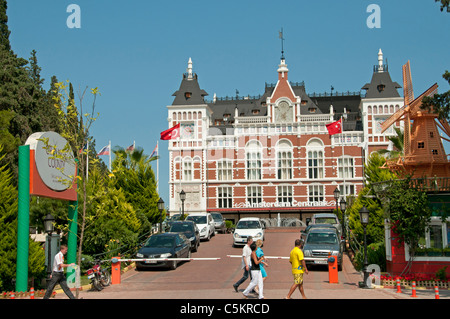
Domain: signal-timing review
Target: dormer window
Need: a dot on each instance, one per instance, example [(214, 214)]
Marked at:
[(381, 87), (188, 95), (312, 110), (255, 112)]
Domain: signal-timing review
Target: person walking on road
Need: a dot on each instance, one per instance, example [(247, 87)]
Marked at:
[(246, 263), (57, 276), (263, 264), (257, 280), (298, 269)]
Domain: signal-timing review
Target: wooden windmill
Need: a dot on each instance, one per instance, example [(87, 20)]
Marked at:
[(424, 154)]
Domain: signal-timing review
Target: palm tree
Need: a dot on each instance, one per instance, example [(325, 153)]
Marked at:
[(397, 142)]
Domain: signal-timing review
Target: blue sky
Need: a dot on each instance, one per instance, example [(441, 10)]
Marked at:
[(136, 51)]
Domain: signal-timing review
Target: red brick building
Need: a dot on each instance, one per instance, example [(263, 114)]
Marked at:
[(271, 154)]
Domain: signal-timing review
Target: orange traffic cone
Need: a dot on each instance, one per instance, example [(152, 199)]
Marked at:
[(436, 292), (414, 290), (31, 293), (399, 289), (12, 295)]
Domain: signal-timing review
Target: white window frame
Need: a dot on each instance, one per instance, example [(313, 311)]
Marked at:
[(224, 197)]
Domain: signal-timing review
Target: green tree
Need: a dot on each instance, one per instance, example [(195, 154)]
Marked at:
[(8, 236), (409, 214), (374, 173), (109, 215), (439, 103), (133, 174), (397, 142)]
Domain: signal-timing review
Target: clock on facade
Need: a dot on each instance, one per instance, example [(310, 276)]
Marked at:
[(283, 112)]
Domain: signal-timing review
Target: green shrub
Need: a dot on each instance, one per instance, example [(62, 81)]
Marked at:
[(376, 254)]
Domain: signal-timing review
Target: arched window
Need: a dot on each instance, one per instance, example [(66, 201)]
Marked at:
[(284, 157), (315, 151)]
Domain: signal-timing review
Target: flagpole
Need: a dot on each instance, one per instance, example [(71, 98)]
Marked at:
[(157, 167), (110, 151), (343, 170)]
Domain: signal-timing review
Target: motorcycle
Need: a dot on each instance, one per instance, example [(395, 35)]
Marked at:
[(100, 277)]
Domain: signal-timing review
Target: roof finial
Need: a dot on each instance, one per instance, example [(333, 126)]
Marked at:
[(189, 69), (380, 61), (280, 35)]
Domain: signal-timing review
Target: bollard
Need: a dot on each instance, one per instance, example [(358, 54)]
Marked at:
[(399, 289), (414, 290), (115, 271), (12, 295), (31, 293), (436, 292), (332, 269)]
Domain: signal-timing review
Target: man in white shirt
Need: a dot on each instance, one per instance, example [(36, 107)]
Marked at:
[(245, 263), (57, 276)]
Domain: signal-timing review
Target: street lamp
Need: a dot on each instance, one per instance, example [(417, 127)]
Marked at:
[(183, 198), (337, 194), (364, 217), (48, 227), (160, 208)]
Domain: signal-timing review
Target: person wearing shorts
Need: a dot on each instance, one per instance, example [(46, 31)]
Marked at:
[(298, 269)]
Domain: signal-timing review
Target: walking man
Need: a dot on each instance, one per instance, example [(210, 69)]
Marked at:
[(246, 263), (57, 276), (298, 268)]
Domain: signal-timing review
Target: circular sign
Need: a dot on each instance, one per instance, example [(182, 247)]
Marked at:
[(54, 159)]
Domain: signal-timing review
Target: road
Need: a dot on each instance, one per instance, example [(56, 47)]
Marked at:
[(214, 279)]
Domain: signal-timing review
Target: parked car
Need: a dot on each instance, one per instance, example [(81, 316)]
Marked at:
[(219, 223), (304, 233), (205, 224), (164, 245), (189, 229), (248, 226), (325, 218), (319, 243)]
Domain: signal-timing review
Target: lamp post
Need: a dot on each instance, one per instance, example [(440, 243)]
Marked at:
[(364, 217), (183, 198), (161, 209), (337, 194), (48, 227)]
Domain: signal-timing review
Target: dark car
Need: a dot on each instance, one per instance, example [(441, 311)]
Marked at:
[(219, 223), (304, 233), (189, 229), (165, 245), (319, 243)]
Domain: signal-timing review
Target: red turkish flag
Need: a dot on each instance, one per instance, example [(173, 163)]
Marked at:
[(172, 133), (335, 127)]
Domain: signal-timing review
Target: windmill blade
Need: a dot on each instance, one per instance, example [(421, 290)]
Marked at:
[(407, 135), (407, 84), (445, 126), (392, 119), (415, 105)]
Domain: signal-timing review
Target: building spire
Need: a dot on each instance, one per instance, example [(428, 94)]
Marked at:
[(189, 69), (380, 61)]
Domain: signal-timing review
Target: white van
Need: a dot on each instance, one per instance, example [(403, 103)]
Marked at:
[(205, 224)]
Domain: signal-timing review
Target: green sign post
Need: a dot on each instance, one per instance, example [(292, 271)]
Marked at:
[(23, 219)]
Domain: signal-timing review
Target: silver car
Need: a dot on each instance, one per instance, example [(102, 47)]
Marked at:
[(319, 243), (219, 223)]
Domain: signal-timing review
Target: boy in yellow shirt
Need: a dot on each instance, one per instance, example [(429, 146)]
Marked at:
[(298, 268)]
